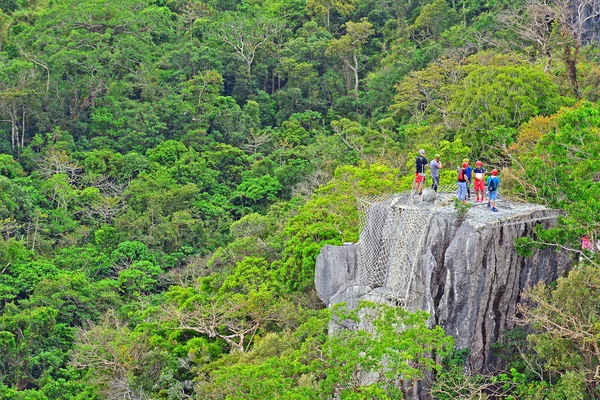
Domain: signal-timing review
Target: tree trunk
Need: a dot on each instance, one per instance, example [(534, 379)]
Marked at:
[(12, 133), (570, 59), (549, 61), (23, 132), (273, 81), (15, 137), (355, 70)]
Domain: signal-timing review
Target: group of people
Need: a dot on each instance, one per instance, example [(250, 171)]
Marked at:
[(466, 176)]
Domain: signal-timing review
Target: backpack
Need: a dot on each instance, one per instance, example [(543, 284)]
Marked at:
[(461, 174), (493, 185)]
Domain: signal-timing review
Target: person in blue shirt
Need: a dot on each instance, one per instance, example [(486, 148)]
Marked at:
[(469, 171), (493, 183)]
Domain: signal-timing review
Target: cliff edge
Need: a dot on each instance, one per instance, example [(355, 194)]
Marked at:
[(462, 269)]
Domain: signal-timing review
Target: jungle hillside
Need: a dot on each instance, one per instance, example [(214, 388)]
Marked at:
[(170, 169)]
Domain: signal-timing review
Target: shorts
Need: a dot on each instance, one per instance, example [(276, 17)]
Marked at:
[(479, 185), (492, 195), (420, 178)]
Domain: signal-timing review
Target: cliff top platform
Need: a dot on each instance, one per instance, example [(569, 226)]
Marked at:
[(443, 205)]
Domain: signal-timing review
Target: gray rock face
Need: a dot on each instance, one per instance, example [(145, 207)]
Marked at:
[(468, 270), (336, 265)]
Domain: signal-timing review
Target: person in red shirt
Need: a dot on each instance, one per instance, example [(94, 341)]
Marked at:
[(479, 178)]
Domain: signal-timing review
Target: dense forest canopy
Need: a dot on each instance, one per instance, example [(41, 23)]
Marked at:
[(170, 169)]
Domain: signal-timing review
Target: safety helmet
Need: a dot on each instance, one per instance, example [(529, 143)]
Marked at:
[(466, 160), (478, 163), (421, 151), (465, 164), (437, 156), (494, 172)]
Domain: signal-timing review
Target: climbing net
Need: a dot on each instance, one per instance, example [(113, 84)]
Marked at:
[(391, 240)]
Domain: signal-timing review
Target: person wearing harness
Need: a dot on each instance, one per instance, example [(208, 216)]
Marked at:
[(493, 182), (421, 164), (462, 183), (479, 175), (434, 166)]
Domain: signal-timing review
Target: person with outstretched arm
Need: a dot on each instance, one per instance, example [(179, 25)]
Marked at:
[(493, 183)]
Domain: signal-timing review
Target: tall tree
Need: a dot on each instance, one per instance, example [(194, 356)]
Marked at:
[(325, 7), (246, 35), (348, 46), (533, 23), (5, 22), (16, 79), (576, 23), (575, 17)]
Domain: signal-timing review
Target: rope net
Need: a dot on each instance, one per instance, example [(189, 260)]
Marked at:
[(391, 240)]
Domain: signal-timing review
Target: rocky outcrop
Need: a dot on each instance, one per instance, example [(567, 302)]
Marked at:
[(336, 266), (467, 272)]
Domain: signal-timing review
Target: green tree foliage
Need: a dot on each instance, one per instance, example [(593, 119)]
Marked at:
[(326, 7), (502, 96), (118, 358), (400, 344), (555, 163), (310, 365), (169, 171), (475, 99), (33, 344), (330, 217), (347, 47), (566, 327), (433, 19)]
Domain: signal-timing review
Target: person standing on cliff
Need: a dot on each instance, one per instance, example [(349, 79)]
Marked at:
[(493, 183), (421, 164), (434, 166), (469, 170), (462, 182), (479, 175)]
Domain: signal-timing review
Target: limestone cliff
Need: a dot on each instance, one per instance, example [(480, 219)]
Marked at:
[(464, 271)]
